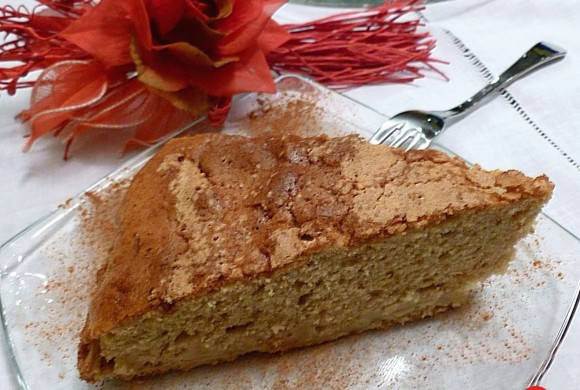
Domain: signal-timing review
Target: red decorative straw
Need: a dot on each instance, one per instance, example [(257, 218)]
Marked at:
[(32, 41), (83, 85), (358, 48)]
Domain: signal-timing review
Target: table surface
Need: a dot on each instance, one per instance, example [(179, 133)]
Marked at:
[(530, 127)]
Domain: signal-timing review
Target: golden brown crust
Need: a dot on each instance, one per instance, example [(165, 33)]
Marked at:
[(225, 208)]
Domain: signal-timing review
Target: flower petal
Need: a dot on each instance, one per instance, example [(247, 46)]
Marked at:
[(120, 108), (198, 9), (60, 92), (224, 8), (246, 26), (195, 32), (105, 31), (250, 74), (190, 99), (272, 37), (165, 79), (192, 56), (167, 119), (166, 14), (243, 13), (138, 15), (271, 6), (171, 65)]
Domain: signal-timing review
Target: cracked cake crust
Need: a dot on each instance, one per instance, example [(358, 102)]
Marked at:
[(227, 208)]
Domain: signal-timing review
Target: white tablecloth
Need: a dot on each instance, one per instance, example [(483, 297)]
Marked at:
[(532, 127)]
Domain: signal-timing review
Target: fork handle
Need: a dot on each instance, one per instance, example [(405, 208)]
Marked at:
[(541, 54)]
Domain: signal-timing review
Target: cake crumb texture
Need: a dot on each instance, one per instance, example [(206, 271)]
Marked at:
[(231, 244)]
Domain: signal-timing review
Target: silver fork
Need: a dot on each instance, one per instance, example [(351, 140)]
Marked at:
[(417, 129)]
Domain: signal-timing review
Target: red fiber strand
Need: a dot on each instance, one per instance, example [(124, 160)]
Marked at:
[(31, 39), (359, 47)]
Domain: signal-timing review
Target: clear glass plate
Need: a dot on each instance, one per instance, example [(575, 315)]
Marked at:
[(498, 341)]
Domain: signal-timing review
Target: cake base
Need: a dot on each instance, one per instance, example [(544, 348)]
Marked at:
[(327, 295)]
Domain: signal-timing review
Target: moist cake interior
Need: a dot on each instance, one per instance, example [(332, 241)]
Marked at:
[(289, 242)]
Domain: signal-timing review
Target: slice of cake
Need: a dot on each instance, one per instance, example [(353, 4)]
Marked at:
[(229, 245)]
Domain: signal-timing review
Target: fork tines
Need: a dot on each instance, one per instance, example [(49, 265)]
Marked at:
[(398, 136)]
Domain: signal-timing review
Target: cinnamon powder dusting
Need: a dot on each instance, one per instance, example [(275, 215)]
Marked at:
[(352, 362), (484, 332), (76, 255), (291, 113), (298, 115)]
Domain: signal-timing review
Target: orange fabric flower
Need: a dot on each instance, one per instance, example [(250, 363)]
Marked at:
[(154, 67), (186, 51)]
